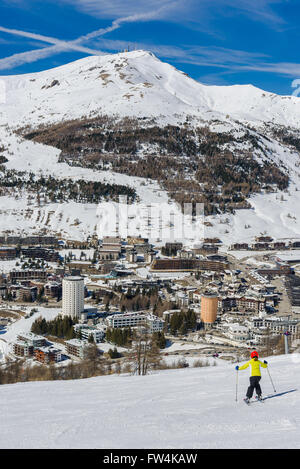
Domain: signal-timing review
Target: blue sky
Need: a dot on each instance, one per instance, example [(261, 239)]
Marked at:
[(218, 42)]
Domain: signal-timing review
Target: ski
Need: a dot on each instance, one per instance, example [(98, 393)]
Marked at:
[(249, 402), (262, 399)]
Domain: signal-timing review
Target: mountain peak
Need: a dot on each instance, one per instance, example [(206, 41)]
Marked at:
[(137, 83)]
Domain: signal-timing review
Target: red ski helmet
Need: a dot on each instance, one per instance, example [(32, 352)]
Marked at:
[(254, 354)]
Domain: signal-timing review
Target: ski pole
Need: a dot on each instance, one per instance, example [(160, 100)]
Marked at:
[(271, 379)]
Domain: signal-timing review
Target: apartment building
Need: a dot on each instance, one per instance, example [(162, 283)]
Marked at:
[(22, 349), (152, 322), (87, 331), (7, 253), (40, 253), (53, 289), (277, 324), (238, 333), (23, 292), (32, 339), (281, 270), (16, 276), (76, 348), (31, 240), (251, 304), (109, 253), (73, 296), (260, 336), (126, 320), (173, 265), (47, 355), (242, 303)]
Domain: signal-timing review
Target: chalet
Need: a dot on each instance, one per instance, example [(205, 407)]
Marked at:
[(196, 296), (278, 245), (281, 270), (239, 247), (263, 239), (136, 240), (260, 246), (208, 249), (110, 248), (174, 245), (109, 254), (105, 268), (212, 240), (74, 244), (185, 254)]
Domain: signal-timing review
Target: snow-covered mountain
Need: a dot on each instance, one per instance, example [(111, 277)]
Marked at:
[(188, 408), (137, 84)]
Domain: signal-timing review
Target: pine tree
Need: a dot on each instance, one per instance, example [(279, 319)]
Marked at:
[(91, 339)]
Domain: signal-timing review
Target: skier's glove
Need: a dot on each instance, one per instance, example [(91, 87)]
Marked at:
[(265, 362), (236, 368)]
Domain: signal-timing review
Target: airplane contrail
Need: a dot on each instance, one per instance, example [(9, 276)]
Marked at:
[(60, 45)]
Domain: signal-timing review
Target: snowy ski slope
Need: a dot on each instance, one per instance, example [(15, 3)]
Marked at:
[(187, 408)]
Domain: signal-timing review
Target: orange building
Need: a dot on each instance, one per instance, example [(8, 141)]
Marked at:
[(47, 355), (209, 308)]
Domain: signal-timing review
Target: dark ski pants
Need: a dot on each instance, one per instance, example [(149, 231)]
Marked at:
[(254, 384)]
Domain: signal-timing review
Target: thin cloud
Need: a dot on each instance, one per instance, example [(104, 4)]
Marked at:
[(229, 60), (16, 60), (64, 46), (191, 12), (262, 10), (121, 8)]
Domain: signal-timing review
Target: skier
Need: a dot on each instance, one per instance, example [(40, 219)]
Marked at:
[(255, 375)]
